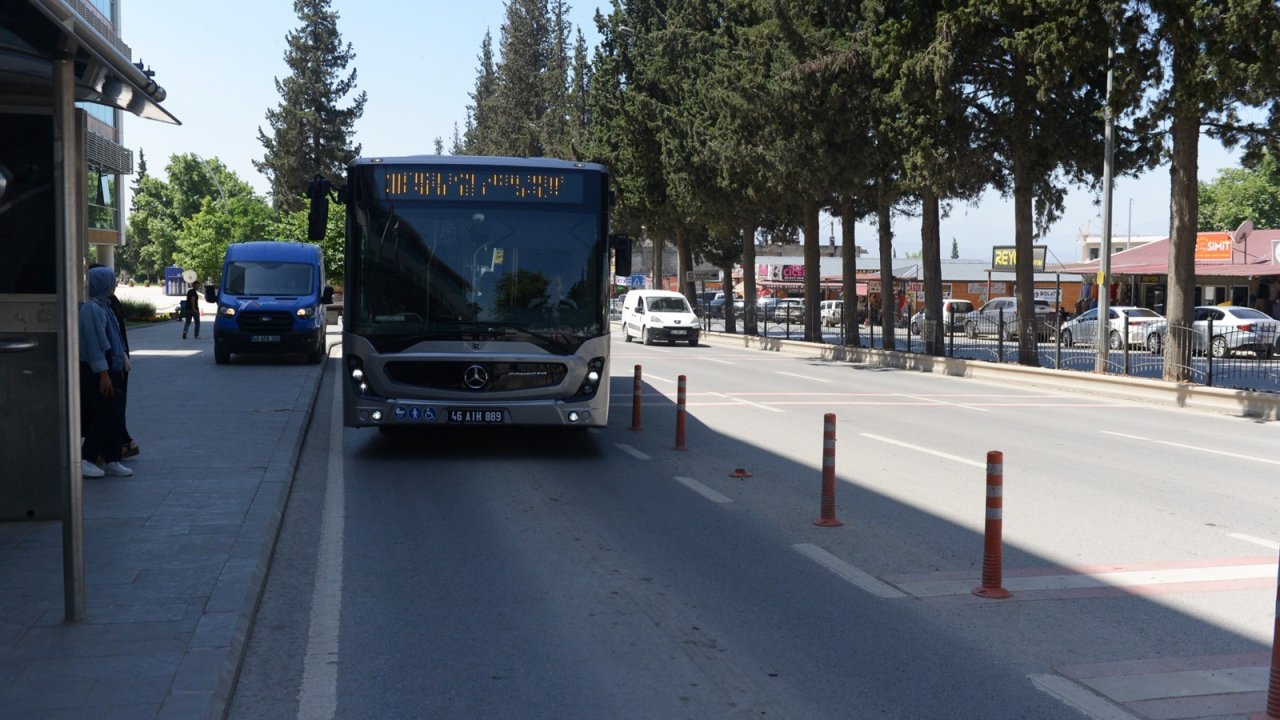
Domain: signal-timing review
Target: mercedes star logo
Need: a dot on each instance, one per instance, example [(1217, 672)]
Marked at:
[(475, 377)]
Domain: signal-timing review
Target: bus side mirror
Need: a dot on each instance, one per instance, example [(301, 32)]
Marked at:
[(621, 254), (318, 217)]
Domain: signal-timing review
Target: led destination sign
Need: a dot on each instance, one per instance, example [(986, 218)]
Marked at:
[(479, 185)]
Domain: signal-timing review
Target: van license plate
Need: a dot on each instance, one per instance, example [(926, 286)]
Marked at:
[(477, 416), (678, 332), (265, 338)]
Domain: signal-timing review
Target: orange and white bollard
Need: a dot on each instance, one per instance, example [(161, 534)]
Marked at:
[(992, 540), (828, 518), (1273, 685), (680, 413), (636, 388)]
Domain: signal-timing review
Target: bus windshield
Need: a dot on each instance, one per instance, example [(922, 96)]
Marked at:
[(441, 271)]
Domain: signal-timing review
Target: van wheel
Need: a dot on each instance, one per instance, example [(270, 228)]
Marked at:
[(626, 334), (646, 335), (315, 357), (221, 355)]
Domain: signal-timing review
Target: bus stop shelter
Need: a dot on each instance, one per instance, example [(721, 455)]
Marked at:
[(53, 54)]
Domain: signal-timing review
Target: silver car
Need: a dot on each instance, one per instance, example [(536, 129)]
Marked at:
[(1145, 328)]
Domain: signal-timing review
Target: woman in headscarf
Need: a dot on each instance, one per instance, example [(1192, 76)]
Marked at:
[(103, 361)]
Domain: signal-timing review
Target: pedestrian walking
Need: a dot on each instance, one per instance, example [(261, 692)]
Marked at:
[(103, 363), (192, 311)]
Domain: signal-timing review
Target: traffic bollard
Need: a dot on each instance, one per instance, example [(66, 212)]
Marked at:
[(828, 518), (680, 413), (635, 401), (991, 548)]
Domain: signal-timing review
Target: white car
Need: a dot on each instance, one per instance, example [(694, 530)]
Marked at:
[(1145, 328), (1235, 328), (953, 314), (654, 315), (831, 312)]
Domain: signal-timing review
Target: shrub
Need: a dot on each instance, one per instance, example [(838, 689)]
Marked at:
[(138, 309)]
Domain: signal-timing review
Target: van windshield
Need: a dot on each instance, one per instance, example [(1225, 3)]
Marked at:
[(269, 278), (668, 304)]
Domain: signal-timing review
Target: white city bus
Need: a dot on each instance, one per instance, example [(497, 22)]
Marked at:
[(476, 291)]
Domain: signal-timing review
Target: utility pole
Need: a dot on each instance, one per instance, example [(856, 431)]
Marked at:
[(1104, 263)]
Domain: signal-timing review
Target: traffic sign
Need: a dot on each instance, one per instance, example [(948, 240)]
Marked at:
[(695, 275)]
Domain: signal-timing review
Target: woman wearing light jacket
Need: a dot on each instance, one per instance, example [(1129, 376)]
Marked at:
[(103, 362)]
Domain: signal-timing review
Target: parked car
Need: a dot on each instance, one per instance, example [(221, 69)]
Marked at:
[(1235, 328), (1146, 328), (1000, 316), (831, 312), (716, 306), (653, 315), (953, 315), (780, 310)]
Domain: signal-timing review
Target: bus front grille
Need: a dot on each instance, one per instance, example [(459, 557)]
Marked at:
[(476, 376)]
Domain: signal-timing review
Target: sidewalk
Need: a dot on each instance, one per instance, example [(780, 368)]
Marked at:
[(175, 556)]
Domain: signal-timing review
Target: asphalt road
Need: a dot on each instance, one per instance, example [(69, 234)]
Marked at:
[(521, 574)]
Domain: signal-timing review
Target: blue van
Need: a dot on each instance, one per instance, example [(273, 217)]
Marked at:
[(271, 299)]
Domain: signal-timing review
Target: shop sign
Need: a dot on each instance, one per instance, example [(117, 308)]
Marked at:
[(1213, 246), (793, 272), (1004, 258)]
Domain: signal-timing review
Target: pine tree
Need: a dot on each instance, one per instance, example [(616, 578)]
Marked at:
[(520, 99), (955, 249), (310, 131), (477, 139)]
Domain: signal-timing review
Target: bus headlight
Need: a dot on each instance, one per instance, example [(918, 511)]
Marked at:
[(591, 382)]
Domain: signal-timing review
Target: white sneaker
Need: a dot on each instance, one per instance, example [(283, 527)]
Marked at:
[(89, 470), (117, 469)]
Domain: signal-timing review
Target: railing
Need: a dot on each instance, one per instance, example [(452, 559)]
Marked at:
[(1221, 356)]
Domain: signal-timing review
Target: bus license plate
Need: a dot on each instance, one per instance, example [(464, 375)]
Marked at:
[(265, 338), (478, 416)]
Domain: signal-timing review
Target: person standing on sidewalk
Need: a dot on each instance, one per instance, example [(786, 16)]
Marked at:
[(130, 446), (193, 310), (103, 362)]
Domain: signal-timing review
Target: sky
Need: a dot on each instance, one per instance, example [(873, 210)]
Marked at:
[(417, 61)]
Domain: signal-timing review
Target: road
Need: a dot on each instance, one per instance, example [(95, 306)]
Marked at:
[(520, 574)]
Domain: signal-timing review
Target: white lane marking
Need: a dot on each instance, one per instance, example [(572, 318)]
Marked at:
[(632, 451), (647, 376), (942, 402), (703, 490), (802, 377), (1078, 697), (1256, 540), (163, 353), (1184, 446), (848, 572), (718, 360), (1119, 579), (318, 693), (740, 401), (917, 448)]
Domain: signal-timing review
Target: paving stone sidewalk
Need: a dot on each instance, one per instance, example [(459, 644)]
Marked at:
[(175, 556)]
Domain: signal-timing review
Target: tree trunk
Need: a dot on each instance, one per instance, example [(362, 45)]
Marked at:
[(1028, 353), (931, 258), (888, 299), (684, 254), (748, 280), (657, 263), (812, 272), (1184, 211), (849, 266)]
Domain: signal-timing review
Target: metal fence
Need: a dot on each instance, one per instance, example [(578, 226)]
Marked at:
[(1223, 356)]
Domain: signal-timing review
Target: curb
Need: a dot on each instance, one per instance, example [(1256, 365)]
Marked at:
[(262, 527), (1244, 403)]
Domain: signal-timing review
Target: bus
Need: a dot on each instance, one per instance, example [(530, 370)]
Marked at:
[(476, 290)]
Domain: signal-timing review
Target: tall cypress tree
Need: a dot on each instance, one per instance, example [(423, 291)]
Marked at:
[(477, 140), (310, 131)]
